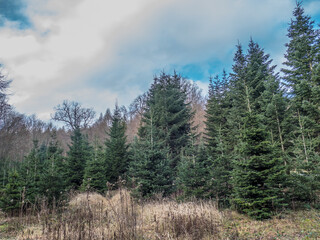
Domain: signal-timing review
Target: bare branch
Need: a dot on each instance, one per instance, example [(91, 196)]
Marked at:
[(73, 115)]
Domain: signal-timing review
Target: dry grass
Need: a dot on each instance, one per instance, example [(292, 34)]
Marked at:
[(293, 225), (95, 200), (117, 216), (172, 220)]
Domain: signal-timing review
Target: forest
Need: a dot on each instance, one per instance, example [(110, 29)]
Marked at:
[(252, 145)]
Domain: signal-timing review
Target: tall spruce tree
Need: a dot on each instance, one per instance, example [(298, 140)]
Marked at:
[(164, 132), (150, 168), (217, 137), (257, 164), (52, 184), (173, 114), (301, 62), (95, 173), (276, 115), (258, 175), (31, 170), (300, 75), (11, 194), (79, 153), (117, 159), (194, 176), (300, 55)]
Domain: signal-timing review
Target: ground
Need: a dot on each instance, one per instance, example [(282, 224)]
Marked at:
[(118, 216)]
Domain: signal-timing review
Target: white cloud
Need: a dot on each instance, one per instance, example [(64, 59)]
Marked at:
[(67, 41), (204, 87), (94, 51)]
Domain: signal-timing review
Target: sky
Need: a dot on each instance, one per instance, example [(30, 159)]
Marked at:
[(97, 52)]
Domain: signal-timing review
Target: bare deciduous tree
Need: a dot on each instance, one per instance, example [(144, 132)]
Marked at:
[(138, 105), (4, 106), (73, 114)]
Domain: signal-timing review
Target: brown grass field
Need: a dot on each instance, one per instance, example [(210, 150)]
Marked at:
[(118, 216)]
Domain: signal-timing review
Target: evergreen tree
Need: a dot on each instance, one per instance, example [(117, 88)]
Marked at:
[(79, 153), (94, 177), (116, 148), (164, 132), (248, 81), (300, 55), (217, 137), (300, 75), (258, 175), (194, 176), (173, 114), (276, 113), (11, 194), (258, 168), (52, 183), (150, 167), (31, 170)]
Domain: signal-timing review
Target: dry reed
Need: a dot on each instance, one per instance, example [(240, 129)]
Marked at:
[(118, 216)]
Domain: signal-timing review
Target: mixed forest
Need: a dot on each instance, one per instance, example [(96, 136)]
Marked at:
[(252, 144)]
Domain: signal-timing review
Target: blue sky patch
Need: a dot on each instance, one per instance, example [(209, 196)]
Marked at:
[(13, 11)]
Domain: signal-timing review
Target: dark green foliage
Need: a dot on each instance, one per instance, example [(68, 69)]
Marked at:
[(220, 173), (239, 114), (150, 168), (52, 184), (117, 159), (300, 55), (194, 176), (94, 177), (11, 194), (276, 114), (165, 131), (79, 153), (248, 81), (218, 137), (172, 114), (258, 174), (31, 170), (42, 172), (6, 167), (301, 75)]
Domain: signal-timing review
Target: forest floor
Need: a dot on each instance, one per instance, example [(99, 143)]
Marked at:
[(117, 216)]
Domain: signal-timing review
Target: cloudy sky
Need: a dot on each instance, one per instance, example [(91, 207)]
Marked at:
[(97, 51)]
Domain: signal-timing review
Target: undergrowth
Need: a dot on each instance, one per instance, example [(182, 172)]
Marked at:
[(118, 216)]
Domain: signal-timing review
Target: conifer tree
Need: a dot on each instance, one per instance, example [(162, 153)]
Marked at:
[(194, 176), (150, 168), (52, 178), (164, 132), (300, 75), (301, 62), (117, 159), (300, 55), (11, 194), (173, 114), (258, 175), (94, 177), (257, 164), (248, 81), (30, 172), (217, 137), (276, 114), (79, 153)]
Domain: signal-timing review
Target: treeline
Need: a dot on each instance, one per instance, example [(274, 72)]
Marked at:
[(259, 151)]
